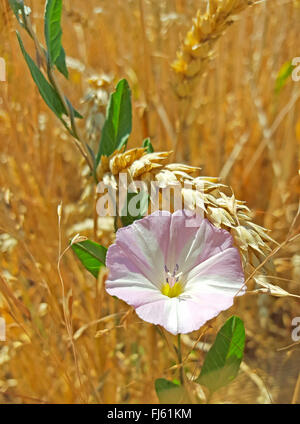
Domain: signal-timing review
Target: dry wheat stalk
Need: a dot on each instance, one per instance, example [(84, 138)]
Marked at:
[(94, 102), (198, 45), (223, 211)]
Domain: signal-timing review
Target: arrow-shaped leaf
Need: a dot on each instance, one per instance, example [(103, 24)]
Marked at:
[(170, 392), (223, 360), (91, 254)]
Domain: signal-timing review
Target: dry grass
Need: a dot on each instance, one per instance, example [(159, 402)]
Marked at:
[(232, 125)]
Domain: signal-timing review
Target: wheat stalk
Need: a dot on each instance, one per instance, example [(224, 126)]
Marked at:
[(222, 210), (198, 46)]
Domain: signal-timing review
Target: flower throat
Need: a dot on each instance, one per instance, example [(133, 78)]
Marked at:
[(172, 287)]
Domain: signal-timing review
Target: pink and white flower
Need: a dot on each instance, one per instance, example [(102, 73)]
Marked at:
[(175, 275)]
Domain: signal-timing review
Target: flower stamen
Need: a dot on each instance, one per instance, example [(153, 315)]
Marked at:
[(173, 286)]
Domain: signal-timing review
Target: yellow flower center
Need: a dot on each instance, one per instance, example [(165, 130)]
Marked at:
[(174, 291)]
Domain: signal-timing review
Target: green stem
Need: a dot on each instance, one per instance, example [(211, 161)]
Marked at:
[(179, 353)]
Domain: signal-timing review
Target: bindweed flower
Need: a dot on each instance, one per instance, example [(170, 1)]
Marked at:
[(177, 270)]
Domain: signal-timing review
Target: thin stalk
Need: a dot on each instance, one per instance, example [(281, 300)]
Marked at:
[(179, 353), (67, 317), (296, 391)]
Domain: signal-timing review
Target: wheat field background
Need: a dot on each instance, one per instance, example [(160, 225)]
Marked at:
[(232, 124)]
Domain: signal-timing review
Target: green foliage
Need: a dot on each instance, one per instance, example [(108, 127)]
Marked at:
[(148, 145), (53, 35), (223, 360), (61, 63), (49, 92), (118, 123), (282, 77), (170, 392), (46, 90), (138, 201), (91, 254)]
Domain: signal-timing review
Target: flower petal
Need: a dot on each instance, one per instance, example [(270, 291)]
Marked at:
[(193, 239), (181, 316), (211, 268), (183, 228), (144, 244), (221, 274), (205, 241), (161, 312), (123, 271), (193, 313)]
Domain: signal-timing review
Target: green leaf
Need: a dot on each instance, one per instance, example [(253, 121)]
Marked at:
[(91, 254), (138, 201), (223, 360), (118, 123), (284, 73), (170, 392), (46, 90), (52, 28), (61, 63), (148, 145), (53, 36)]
